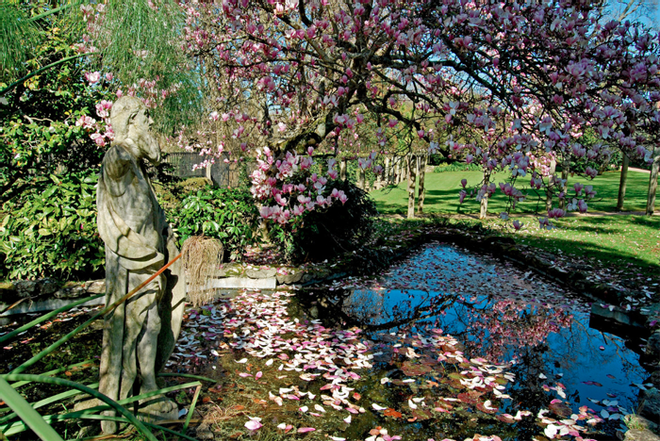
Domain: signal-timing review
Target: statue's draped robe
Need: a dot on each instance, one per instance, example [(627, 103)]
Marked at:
[(138, 242)]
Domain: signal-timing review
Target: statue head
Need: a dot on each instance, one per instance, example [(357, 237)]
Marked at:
[(131, 124)]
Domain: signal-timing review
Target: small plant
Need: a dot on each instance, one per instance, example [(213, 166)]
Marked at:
[(17, 415)]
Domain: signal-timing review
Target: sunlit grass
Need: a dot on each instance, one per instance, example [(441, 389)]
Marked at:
[(442, 191), (619, 240)]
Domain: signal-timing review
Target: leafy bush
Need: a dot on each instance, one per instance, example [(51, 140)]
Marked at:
[(226, 214), (456, 166), (437, 159), (325, 233), (52, 233)]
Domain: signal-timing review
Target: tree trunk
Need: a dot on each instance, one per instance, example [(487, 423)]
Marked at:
[(564, 180), (622, 183), (653, 184), (483, 204), (411, 166), (361, 178), (420, 185), (550, 188), (387, 172), (342, 169), (396, 168)]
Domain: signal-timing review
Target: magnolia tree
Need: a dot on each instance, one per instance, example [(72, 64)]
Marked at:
[(528, 79)]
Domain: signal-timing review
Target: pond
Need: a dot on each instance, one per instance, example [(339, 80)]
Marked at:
[(539, 330)]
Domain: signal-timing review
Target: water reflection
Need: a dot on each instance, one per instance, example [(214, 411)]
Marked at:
[(500, 313)]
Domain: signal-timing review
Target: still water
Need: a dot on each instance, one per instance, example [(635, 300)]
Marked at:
[(504, 315)]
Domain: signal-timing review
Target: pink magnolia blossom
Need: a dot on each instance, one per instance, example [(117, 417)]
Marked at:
[(591, 172), (254, 424), (87, 122), (92, 77), (556, 213)]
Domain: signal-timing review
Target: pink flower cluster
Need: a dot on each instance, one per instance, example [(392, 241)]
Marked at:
[(102, 133), (287, 188)]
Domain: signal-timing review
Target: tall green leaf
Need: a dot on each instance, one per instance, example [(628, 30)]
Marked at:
[(17, 37), (27, 413)]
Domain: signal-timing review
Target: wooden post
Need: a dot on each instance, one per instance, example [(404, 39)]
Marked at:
[(564, 178), (483, 204), (361, 176), (387, 173), (551, 185)]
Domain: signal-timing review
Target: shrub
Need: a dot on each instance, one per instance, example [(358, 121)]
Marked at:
[(226, 214), (325, 233), (457, 166), (50, 231)]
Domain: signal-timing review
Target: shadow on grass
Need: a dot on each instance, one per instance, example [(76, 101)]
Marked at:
[(622, 241)]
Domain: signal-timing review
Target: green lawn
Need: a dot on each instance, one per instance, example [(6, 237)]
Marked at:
[(618, 240), (442, 194)]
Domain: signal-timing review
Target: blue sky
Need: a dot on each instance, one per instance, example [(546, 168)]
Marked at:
[(650, 15), (653, 19)]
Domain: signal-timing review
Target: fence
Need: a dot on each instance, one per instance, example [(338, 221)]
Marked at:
[(222, 174)]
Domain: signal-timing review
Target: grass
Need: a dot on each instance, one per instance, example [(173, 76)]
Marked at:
[(618, 240), (442, 194)]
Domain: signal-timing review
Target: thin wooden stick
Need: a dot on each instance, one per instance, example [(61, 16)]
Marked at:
[(109, 309)]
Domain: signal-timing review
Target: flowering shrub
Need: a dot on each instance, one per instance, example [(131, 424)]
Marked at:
[(287, 188), (311, 214)]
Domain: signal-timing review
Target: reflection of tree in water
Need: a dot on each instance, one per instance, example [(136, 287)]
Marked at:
[(501, 329), (496, 311)]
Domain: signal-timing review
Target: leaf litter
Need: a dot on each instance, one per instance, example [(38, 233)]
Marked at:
[(331, 374)]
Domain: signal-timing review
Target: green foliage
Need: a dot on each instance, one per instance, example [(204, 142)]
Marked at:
[(226, 214), (370, 177), (51, 231), (38, 131), (17, 33), (455, 167), (47, 194), (437, 159), (325, 233), (138, 42)]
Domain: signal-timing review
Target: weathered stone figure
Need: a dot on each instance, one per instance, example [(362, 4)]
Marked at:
[(138, 336)]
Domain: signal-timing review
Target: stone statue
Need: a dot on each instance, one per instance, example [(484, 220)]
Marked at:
[(139, 335)]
